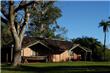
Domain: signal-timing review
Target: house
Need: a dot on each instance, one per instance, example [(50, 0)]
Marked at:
[(52, 50), (48, 50), (78, 52)]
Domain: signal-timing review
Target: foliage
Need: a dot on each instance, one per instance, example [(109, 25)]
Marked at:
[(5, 35), (45, 24), (107, 55), (105, 25)]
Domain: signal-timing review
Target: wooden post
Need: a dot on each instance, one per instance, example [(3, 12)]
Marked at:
[(12, 52), (6, 57), (90, 56), (85, 56)]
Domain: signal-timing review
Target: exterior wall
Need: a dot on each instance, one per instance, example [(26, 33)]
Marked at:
[(61, 57), (75, 57), (26, 52), (56, 58), (64, 56)]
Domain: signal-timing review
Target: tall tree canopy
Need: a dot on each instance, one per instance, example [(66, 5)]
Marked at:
[(46, 22)]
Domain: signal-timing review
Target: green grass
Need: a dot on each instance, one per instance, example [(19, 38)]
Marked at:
[(67, 67)]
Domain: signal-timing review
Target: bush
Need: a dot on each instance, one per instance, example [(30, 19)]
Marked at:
[(107, 55)]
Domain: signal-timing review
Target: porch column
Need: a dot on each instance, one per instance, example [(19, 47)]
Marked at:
[(90, 56), (85, 56), (12, 52)]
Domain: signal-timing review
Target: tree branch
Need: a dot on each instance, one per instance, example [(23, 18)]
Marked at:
[(4, 10), (11, 21), (5, 15), (21, 6), (26, 18), (47, 7), (4, 20)]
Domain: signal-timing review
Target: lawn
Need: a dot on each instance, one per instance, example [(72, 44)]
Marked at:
[(68, 67)]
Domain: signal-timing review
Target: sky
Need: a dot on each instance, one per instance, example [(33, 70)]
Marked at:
[(82, 18)]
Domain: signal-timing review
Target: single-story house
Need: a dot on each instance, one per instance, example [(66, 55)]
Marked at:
[(53, 50), (78, 52), (48, 50)]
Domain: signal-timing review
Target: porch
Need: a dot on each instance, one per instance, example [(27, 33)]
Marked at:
[(34, 59)]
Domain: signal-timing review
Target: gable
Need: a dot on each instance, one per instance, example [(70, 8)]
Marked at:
[(38, 42), (80, 47)]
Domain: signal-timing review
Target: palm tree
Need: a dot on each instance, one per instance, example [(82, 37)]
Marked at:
[(105, 25)]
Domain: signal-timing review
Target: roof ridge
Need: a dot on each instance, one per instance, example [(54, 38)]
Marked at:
[(48, 38)]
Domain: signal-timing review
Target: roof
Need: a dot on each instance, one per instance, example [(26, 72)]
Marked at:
[(84, 48), (52, 43)]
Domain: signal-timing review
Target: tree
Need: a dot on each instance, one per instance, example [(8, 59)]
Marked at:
[(11, 11), (105, 25), (46, 23)]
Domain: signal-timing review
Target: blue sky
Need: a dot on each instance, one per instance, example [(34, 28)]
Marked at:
[(82, 18)]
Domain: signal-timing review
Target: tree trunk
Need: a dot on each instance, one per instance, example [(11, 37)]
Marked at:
[(104, 44), (41, 30), (17, 54), (17, 34), (17, 58), (17, 45)]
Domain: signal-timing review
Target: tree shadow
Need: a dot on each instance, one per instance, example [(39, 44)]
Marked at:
[(60, 69)]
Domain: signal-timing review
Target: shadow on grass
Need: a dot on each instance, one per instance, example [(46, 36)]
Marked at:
[(59, 69)]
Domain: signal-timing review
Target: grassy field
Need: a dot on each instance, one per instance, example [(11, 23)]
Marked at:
[(68, 67)]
